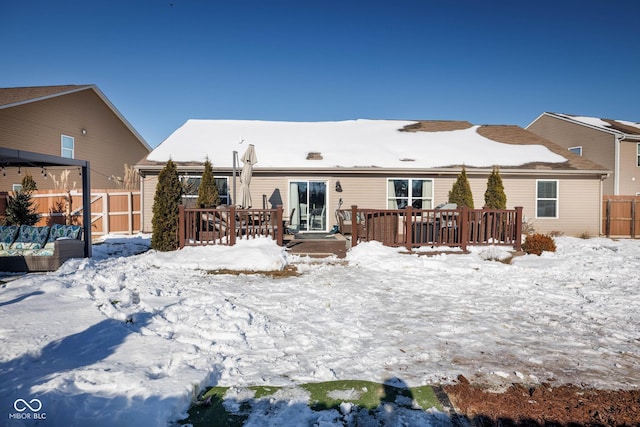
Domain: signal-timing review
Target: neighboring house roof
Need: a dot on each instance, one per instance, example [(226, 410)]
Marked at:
[(364, 145), (15, 96), (629, 130)]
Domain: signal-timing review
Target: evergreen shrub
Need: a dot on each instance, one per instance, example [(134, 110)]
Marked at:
[(494, 196), (461, 191), (208, 195), (21, 209), (166, 205)]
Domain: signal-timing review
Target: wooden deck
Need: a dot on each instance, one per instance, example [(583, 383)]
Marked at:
[(409, 228), (317, 246)]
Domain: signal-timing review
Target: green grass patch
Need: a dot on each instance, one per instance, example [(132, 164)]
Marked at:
[(209, 410)]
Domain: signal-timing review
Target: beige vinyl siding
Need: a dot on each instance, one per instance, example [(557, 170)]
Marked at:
[(578, 204), (38, 127), (597, 146), (273, 189), (629, 170), (578, 211), (148, 189), (442, 186), (362, 191)]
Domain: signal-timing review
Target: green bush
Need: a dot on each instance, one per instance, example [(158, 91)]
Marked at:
[(21, 209), (208, 195), (494, 196), (166, 205), (538, 243), (461, 191)]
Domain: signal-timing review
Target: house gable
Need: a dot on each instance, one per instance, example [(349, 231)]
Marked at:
[(612, 143), (37, 119)]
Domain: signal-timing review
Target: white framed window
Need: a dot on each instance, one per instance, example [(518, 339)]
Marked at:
[(576, 150), (67, 147), (547, 198), (403, 192), (191, 185), (16, 188)]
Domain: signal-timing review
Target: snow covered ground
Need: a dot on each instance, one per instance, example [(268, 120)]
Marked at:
[(128, 338)]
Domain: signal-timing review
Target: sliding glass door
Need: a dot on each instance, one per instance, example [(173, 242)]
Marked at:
[(308, 202)]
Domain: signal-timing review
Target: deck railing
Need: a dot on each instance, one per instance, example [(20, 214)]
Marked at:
[(224, 225), (412, 228), (406, 227)]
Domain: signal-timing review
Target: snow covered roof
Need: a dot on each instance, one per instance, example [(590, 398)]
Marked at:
[(386, 144), (629, 129)]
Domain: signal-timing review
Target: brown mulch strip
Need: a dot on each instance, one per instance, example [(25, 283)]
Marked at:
[(544, 405), (288, 271)]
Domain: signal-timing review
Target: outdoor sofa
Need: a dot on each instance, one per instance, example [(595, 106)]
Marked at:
[(345, 223), (29, 248)]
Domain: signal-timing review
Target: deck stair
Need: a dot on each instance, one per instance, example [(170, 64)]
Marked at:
[(317, 244)]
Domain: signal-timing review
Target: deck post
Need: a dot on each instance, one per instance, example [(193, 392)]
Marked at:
[(354, 225), (279, 225), (408, 221), (181, 226), (518, 237), (463, 234), (232, 225)]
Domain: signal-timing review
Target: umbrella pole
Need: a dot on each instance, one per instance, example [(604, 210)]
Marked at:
[(235, 157)]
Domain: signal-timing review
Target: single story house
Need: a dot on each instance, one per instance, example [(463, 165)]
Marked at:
[(615, 144), (314, 168), (71, 121)]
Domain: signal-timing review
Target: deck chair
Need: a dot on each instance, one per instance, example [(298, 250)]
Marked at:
[(291, 228), (447, 206), (345, 222)]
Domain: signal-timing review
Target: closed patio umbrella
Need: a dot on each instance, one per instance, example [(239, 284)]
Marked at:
[(248, 159)]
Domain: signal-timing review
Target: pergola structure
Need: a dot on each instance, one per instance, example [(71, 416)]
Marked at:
[(15, 158)]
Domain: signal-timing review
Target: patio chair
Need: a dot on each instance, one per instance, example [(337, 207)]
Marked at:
[(291, 228), (345, 224), (446, 206), (318, 219), (218, 224)]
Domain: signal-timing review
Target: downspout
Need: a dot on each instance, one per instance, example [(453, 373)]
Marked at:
[(600, 208), (616, 180)]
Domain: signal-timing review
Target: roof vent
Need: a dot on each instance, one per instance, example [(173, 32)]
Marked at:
[(407, 160), (312, 155)]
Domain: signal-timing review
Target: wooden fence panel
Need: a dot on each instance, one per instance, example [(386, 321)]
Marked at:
[(621, 216), (112, 211)]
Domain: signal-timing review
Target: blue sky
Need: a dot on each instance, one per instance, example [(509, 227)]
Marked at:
[(162, 62)]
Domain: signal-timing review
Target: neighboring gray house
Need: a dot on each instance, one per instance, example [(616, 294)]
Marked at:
[(615, 144), (316, 167)]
